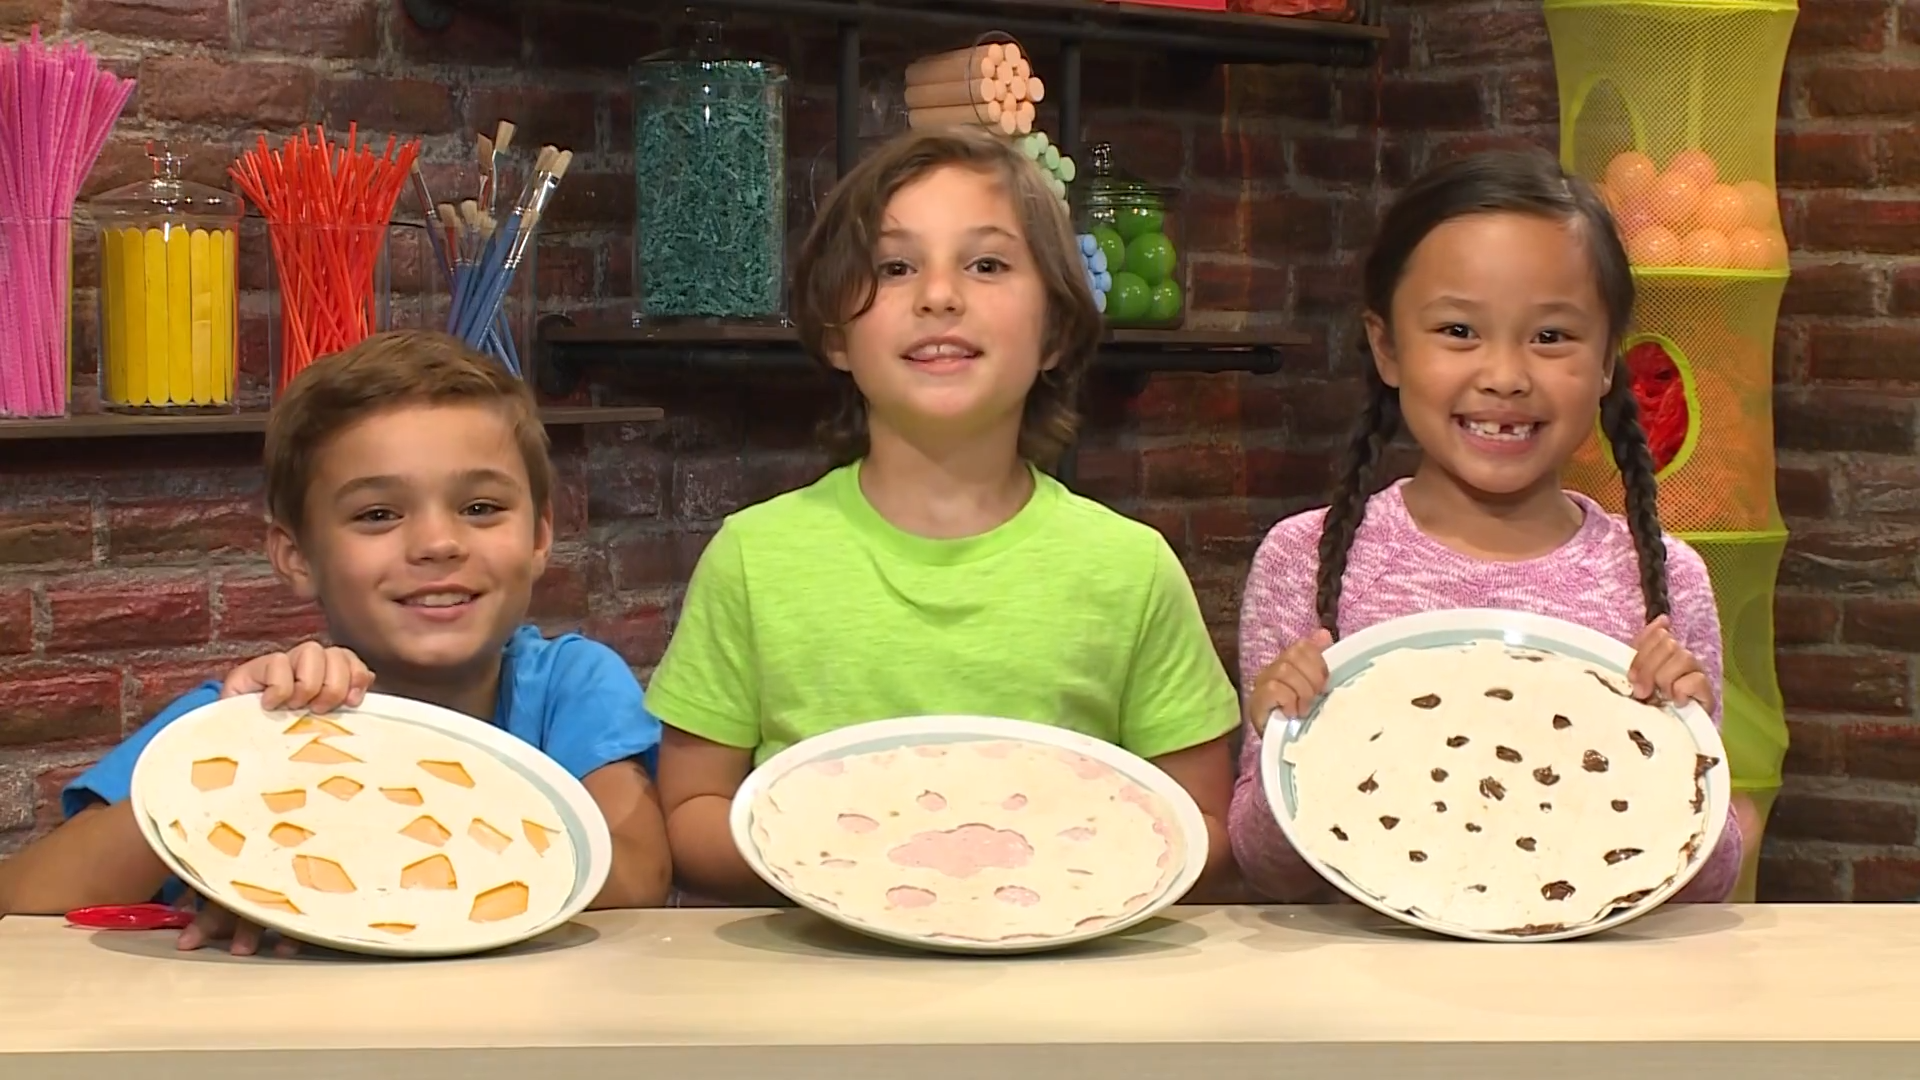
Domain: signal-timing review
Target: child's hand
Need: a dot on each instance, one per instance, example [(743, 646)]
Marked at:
[(215, 924), (1291, 683), (1661, 663), (309, 676)]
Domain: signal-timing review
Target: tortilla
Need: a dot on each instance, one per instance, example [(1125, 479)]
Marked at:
[(995, 840), (1498, 789), (358, 828)]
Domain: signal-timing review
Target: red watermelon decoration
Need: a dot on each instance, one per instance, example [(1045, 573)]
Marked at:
[(1662, 396)]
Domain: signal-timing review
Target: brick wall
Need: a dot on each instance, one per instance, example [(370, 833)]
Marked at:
[(130, 569)]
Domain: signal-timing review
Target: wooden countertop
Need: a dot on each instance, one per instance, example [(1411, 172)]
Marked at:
[(1756, 992)]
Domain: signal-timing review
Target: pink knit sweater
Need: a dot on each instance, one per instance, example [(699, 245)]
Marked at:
[(1395, 569)]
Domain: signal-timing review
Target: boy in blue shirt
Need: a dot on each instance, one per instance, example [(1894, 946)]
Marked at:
[(408, 487)]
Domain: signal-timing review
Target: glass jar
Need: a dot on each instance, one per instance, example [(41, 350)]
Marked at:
[(710, 185), (169, 291), (1131, 239)]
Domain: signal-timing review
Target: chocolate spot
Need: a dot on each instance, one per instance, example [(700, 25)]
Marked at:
[(1633, 897), (1438, 775), (1526, 843), (1440, 807), (1594, 761), (1457, 741), (1620, 855), (1375, 737), (1546, 808), (1556, 890), (1339, 833), (1427, 701), (1500, 695), (1369, 786), (1546, 775), (1702, 764), (1606, 682), (1645, 744), (1620, 806), (1388, 821), (1477, 888), (1561, 723), (1493, 789), (1507, 754), (1471, 827), (1416, 856)]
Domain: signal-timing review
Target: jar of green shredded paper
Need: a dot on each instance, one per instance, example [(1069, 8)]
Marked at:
[(710, 155)]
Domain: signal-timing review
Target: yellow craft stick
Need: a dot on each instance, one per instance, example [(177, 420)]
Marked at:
[(179, 316), (220, 280), (201, 283), (133, 295), (113, 315), (154, 246)]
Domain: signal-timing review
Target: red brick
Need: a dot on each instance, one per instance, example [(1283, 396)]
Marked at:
[(1236, 285), (17, 801), (626, 485), (1340, 159), (651, 559), (1832, 559), (1790, 879), (1269, 229), (185, 529), (1886, 879), (1824, 159), (1275, 473), (1804, 492), (124, 160), (1327, 287), (708, 489), (638, 632), (156, 685), (265, 609), (569, 493), (201, 21), (1862, 91), (19, 17), (1195, 471), (1844, 683), (1829, 289), (1149, 149), (1887, 489), (144, 613), (16, 622), (58, 534), (563, 118), (1108, 474), (1837, 420), (1174, 404), (1315, 413), (194, 90), (478, 37), (1799, 619), (412, 106), (1814, 749), (592, 199), (1476, 38), (1529, 96), (563, 592), (48, 787), (1876, 354), (1799, 816), (54, 704), (1224, 536), (347, 29), (1899, 158), (1848, 26), (1246, 150), (1889, 623), (1299, 92), (1906, 292), (1847, 222), (1433, 104), (585, 38), (1170, 521), (563, 271), (1882, 751)]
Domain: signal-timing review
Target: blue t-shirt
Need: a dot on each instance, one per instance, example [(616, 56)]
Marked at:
[(572, 697)]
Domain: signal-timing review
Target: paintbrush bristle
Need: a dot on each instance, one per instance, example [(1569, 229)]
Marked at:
[(503, 136), (561, 162)]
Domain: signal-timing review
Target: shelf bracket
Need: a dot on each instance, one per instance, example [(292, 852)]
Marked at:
[(433, 16)]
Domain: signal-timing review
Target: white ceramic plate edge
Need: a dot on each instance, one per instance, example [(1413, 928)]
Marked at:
[(904, 730), (1519, 629), (597, 848)]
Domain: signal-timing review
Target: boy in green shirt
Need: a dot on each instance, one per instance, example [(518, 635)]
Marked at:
[(937, 569)]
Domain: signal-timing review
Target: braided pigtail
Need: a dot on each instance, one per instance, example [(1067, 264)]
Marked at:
[(1620, 421), (1368, 444)]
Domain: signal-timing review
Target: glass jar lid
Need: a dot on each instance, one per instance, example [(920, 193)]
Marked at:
[(167, 198)]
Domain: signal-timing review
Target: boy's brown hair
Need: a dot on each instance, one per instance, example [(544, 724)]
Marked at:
[(382, 372), (834, 282)]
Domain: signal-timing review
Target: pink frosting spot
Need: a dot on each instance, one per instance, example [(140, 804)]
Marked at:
[(1016, 895), (906, 896), (1013, 802), (1138, 796), (964, 851), (994, 750), (830, 768), (1078, 832), (932, 801), (858, 823), (1083, 766), (930, 751)]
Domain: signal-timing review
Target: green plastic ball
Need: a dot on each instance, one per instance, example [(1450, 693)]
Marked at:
[(1135, 221), (1129, 300), (1165, 305), (1113, 245), (1151, 256)]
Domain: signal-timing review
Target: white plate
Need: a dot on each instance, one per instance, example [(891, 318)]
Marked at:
[(575, 809), (878, 735), (1350, 656)]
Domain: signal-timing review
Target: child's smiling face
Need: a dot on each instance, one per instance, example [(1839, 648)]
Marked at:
[(952, 343), (1498, 345), (421, 542)]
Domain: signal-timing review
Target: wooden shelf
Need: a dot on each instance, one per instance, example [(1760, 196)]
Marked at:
[(119, 425)]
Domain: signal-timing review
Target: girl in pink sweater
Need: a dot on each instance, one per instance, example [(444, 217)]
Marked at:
[(1497, 294)]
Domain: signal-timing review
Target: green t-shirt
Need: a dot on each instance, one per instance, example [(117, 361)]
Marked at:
[(810, 612)]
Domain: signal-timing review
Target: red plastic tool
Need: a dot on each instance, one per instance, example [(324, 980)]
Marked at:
[(130, 917)]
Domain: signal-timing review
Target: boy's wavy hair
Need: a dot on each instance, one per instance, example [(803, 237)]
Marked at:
[(1496, 182), (383, 372), (834, 279)]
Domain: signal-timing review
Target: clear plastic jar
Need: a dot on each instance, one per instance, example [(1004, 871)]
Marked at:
[(1137, 254), (169, 292), (710, 185)]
